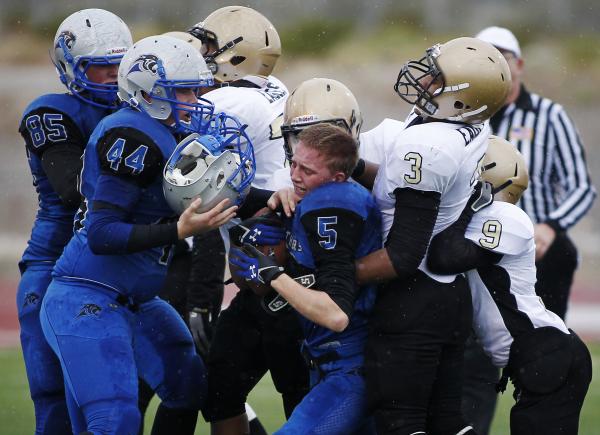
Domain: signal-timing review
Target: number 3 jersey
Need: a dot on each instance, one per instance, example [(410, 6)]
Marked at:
[(443, 157), (505, 304), (333, 225), (50, 121), (122, 178)]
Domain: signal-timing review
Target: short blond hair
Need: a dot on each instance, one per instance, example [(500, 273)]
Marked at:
[(338, 147)]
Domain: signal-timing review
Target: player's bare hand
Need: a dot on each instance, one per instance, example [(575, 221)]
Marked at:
[(286, 199), (191, 223), (544, 236)]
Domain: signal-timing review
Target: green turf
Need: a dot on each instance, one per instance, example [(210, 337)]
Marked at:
[(16, 410)]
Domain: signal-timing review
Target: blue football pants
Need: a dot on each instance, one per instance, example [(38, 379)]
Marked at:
[(335, 405), (103, 346), (44, 374)]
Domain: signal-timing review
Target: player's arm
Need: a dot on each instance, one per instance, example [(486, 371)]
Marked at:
[(130, 162), (451, 252), (55, 138), (332, 238), (414, 218), (365, 173), (254, 201)]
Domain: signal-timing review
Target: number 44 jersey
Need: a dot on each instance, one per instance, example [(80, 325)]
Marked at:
[(437, 156), (122, 180)]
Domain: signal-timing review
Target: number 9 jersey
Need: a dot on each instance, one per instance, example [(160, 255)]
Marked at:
[(121, 183)]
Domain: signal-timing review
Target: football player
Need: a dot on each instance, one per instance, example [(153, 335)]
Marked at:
[(421, 319), (101, 315), (88, 47), (336, 222), (547, 362), (241, 47)]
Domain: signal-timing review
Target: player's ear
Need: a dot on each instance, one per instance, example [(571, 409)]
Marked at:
[(339, 177)]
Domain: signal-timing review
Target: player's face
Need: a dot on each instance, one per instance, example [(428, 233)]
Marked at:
[(309, 170), (186, 95), (431, 84), (103, 74)]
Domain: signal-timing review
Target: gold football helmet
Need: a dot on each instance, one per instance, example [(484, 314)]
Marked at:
[(315, 101), (239, 41), (504, 167), (465, 80), (184, 36)]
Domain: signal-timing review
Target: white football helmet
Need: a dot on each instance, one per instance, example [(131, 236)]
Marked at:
[(216, 166), (87, 38), (244, 42), (315, 101), (151, 72), (464, 80)]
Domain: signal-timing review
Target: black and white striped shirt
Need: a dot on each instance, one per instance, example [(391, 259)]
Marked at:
[(560, 190)]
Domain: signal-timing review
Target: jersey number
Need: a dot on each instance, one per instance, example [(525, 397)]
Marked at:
[(416, 161), (492, 230), (54, 130), (135, 160), (326, 232)]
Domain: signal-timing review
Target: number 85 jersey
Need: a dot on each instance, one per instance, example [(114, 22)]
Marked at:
[(121, 183), (438, 156)]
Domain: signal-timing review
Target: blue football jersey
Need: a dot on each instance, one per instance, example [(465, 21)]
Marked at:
[(132, 147), (50, 120), (332, 226)]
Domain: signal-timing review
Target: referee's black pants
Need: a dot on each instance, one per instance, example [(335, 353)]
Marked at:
[(413, 357), (555, 273)]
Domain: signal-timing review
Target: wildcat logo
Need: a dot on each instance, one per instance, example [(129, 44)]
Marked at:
[(31, 299), (147, 62), (68, 38), (89, 310)]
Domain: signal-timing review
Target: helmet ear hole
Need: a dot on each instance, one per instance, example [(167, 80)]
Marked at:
[(458, 105), (236, 60)]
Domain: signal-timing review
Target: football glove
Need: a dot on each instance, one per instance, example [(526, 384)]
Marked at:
[(481, 197), (200, 324), (258, 231), (253, 265)]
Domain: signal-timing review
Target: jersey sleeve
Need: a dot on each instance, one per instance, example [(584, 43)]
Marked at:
[(506, 230), (130, 154), (45, 127), (332, 236)]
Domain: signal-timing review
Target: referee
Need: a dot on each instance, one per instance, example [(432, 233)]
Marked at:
[(559, 194)]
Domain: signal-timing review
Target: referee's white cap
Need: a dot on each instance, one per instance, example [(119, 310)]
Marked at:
[(500, 38)]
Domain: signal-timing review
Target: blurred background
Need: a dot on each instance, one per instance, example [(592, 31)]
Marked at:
[(361, 43)]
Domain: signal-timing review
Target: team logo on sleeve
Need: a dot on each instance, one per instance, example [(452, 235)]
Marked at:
[(147, 62), (68, 38), (89, 310)]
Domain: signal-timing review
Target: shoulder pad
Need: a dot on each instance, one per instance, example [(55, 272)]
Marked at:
[(129, 153), (44, 126)]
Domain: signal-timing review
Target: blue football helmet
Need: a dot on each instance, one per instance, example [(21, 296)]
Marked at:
[(152, 72), (214, 166), (90, 37)]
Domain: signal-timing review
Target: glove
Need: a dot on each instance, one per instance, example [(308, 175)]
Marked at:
[(481, 197), (200, 324), (258, 231), (253, 265)]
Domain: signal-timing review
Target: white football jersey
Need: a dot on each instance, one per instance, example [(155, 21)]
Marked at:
[(261, 109), (442, 157), (504, 300), (375, 143)]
